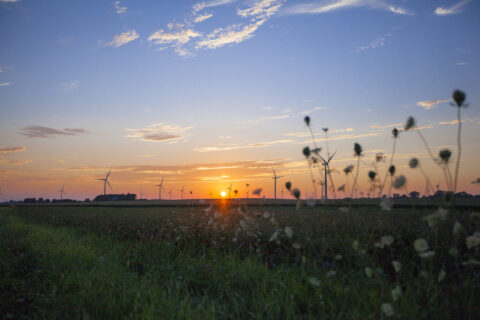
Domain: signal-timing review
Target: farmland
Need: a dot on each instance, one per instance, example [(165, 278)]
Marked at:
[(238, 262)]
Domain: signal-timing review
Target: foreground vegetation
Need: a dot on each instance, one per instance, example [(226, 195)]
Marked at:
[(238, 263)]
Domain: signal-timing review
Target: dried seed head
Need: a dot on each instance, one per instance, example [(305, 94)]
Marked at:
[(445, 155), (399, 182), (410, 123), (371, 175), (307, 120), (391, 170), (395, 132), (341, 188), (413, 163), (296, 193), (459, 97), (288, 185), (357, 149), (325, 129), (379, 157), (348, 169), (306, 152)]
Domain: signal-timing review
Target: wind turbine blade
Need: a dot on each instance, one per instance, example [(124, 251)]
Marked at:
[(108, 174), (162, 181), (109, 185), (332, 156), (322, 159)]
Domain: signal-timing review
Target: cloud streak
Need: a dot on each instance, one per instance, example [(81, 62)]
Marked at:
[(46, 132), (9, 150), (334, 5), (123, 38), (430, 104), (159, 133), (119, 9), (243, 146), (5, 84), (455, 9)]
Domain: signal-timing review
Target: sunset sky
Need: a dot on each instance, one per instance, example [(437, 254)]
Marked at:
[(215, 92)]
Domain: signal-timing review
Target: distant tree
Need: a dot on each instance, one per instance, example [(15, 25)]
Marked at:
[(87, 200), (414, 194)]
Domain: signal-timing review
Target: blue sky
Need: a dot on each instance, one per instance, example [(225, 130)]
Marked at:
[(181, 83)]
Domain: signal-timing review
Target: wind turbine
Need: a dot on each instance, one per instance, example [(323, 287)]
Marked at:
[(61, 192), (327, 168), (160, 187), (170, 194), (105, 182), (182, 191), (229, 190), (275, 177)]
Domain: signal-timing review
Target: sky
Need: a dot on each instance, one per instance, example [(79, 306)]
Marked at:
[(212, 93)]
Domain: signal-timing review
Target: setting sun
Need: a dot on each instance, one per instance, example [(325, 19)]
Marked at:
[(223, 194)]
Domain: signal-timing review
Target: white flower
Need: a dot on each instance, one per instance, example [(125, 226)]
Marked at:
[(397, 265), (368, 272), (344, 209), (274, 236), (396, 293), (273, 221), (434, 218), (473, 241), (331, 273), (266, 215), (207, 210), (386, 240), (471, 262), (297, 245), (387, 309), (288, 232), (355, 245), (314, 281), (338, 257), (243, 224), (426, 255), (421, 245), (457, 228), (441, 275), (386, 204)]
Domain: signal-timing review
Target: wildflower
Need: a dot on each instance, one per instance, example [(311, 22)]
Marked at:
[(306, 152), (371, 175), (441, 276), (395, 132), (386, 204), (445, 155), (413, 163), (396, 293), (421, 245), (338, 257), (357, 149), (410, 123), (387, 240), (368, 272), (273, 221), (387, 310), (297, 245), (288, 232), (288, 185), (457, 228), (471, 262), (207, 210), (399, 182), (307, 120), (439, 215), (391, 170), (379, 157), (341, 188), (266, 215), (243, 224), (257, 191), (473, 241), (459, 97), (274, 236), (217, 215), (397, 265), (344, 209), (325, 129), (348, 169), (296, 193), (355, 245), (426, 255), (331, 273), (314, 281)]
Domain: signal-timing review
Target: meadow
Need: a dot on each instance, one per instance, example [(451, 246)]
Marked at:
[(234, 262)]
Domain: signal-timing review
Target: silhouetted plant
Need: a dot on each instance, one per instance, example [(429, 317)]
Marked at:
[(348, 169), (357, 149), (459, 98), (372, 175), (395, 133), (415, 163), (391, 170), (307, 153), (288, 185), (332, 185), (316, 151), (445, 156)]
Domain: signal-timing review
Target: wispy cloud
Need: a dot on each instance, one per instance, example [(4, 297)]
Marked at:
[(261, 10), (449, 122), (9, 1), (378, 42), (218, 168), (202, 17), (119, 9), (46, 132), (311, 110), (176, 36), (123, 38), (5, 84), (160, 132), (456, 8), (13, 162), (207, 4), (9, 150), (347, 137), (308, 134), (385, 126), (462, 63), (69, 85), (430, 104), (333, 5), (261, 119), (243, 146)]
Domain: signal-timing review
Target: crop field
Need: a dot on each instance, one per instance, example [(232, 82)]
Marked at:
[(236, 262)]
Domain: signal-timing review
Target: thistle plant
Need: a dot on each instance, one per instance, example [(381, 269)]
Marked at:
[(391, 171), (357, 148), (411, 124), (415, 163), (459, 98), (372, 175), (445, 156), (395, 133), (316, 150), (328, 168), (348, 169), (307, 153)]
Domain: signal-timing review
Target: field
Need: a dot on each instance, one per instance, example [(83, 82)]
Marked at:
[(236, 262)]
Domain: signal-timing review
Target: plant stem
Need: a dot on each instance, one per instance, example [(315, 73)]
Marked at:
[(459, 150), (391, 162), (356, 175), (425, 176), (313, 180), (426, 146)]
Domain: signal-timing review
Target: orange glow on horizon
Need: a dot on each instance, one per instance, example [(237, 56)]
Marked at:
[(223, 193)]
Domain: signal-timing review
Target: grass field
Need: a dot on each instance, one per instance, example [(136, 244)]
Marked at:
[(238, 263)]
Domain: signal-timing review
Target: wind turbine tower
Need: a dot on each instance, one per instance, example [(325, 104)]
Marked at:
[(327, 168), (61, 191), (160, 187), (182, 191), (229, 190), (275, 178), (105, 182)]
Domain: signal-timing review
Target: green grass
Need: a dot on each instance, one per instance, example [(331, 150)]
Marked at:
[(114, 263)]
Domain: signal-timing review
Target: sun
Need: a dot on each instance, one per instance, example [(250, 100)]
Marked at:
[(223, 194)]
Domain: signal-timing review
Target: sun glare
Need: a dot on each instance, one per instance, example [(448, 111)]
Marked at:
[(223, 194)]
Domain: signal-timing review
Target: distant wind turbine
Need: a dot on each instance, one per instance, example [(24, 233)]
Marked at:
[(61, 191), (182, 191), (160, 187), (105, 182), (229, 190), (275, 178), (327, 168), (170, 194)]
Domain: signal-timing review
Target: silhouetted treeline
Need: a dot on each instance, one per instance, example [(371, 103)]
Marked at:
[(116, 197), (41, 200)]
